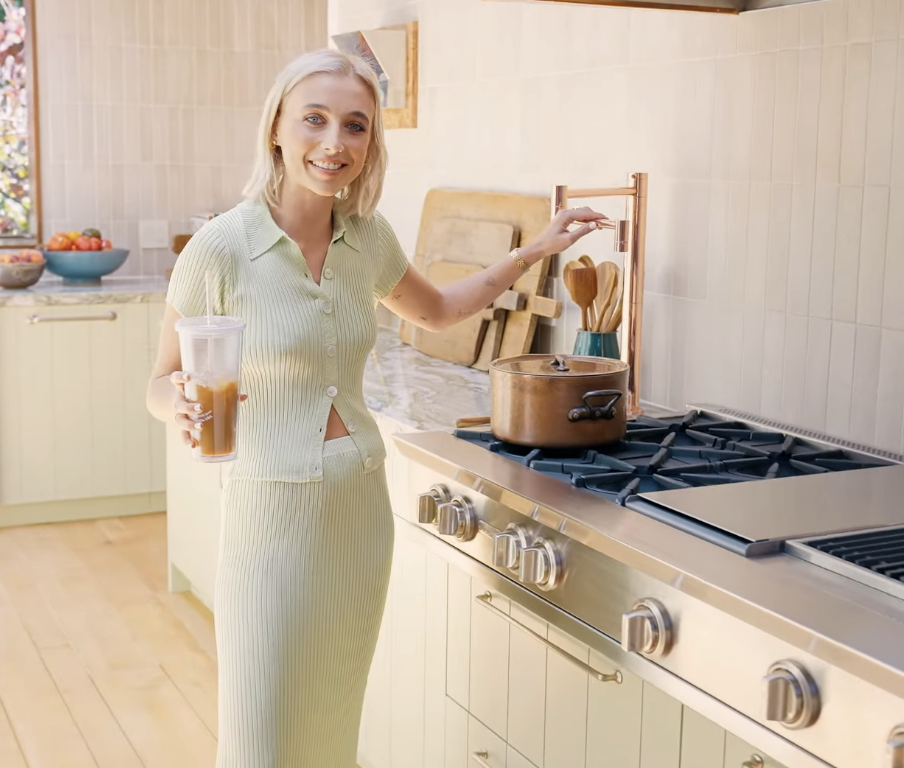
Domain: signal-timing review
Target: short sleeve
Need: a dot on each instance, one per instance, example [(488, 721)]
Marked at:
[(205, 253), (393, 262)]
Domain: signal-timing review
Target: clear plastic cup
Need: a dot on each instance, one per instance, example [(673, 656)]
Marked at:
[(212, 355)]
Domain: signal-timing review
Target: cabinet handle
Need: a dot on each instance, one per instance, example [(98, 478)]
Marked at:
[(755, 761), (486, 600), (480, 757), (35, 319)]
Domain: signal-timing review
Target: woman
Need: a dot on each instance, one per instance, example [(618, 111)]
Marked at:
[(307, 531)]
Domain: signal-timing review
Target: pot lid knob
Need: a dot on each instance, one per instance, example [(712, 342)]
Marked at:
[(558, 364)]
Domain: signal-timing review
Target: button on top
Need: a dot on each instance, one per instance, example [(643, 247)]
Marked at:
[(332, 391), (326, 308), (328, 273), (331, 350), (351, 426), (368, 462)]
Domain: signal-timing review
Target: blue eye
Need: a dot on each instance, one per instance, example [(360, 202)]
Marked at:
[(357, 127), (314, 117)]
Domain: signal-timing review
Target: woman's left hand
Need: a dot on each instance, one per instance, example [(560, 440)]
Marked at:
[(557, 236)]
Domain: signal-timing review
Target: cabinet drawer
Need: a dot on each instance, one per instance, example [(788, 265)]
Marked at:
[(73, 421), (485, 748)]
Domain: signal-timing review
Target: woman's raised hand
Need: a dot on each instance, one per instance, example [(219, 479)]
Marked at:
[(557, 236)]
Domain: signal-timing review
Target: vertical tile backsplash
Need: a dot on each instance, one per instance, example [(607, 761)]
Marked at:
[(775, 147), (148, 108)]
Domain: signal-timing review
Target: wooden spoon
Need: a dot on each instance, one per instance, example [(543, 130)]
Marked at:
[(606, 278), (585, 261), (614, 315), (566, 272), (583, 290), (471, 421)]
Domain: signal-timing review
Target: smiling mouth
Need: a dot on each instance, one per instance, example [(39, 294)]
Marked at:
[(323, 165)]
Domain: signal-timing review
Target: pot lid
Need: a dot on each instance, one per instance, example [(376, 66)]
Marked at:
[(559, 365)]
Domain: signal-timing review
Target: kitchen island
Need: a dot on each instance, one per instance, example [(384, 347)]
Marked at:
[(76, 440)]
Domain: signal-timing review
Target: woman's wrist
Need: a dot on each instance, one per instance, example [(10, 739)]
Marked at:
[(531, 254)]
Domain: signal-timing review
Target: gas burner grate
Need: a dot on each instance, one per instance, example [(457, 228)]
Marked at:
[(879, 551), (874, 557), (691, 450)]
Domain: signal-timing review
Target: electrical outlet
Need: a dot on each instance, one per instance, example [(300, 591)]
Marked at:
[(153, 234)]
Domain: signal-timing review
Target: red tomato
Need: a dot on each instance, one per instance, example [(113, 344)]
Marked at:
[(95, 244), (106, 245), (83, 243)]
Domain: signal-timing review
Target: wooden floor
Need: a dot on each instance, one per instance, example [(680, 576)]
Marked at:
[(99, 666)]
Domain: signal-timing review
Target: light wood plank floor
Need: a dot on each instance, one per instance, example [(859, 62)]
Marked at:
[(100, 667)]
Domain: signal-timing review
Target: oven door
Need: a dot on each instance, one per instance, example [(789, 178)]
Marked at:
[(542, 687)]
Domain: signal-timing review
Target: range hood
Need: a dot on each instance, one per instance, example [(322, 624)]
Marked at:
[(698, 6)]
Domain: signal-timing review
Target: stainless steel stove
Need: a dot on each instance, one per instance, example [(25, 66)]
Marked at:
[(681, 469), (760, 565)]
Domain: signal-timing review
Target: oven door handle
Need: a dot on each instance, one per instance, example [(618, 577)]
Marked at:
[(480, 757), (486, 600)]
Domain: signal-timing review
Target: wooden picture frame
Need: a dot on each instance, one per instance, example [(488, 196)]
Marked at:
[(406, 117), (369, 44), (34, 236)]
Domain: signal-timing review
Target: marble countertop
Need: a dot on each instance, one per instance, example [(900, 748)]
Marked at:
[(112, 290), (421, 392)]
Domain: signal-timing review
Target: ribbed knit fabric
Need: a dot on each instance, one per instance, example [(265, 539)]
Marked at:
[(305, 345), (306, 543), (304, 571)]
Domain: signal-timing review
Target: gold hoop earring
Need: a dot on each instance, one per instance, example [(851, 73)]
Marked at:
[(272, 143)]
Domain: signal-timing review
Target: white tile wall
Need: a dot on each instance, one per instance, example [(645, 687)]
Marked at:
[(775, 147), (148, 107)]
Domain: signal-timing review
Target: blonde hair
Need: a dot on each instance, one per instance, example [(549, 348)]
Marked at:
[(362, 195)]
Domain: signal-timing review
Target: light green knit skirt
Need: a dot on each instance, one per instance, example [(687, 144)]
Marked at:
[(302, 581)]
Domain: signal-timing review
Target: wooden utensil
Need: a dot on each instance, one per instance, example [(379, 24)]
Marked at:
[(613, 314), (616, 317), (472, 421), (607, 277), (566, 271), (583, 291)]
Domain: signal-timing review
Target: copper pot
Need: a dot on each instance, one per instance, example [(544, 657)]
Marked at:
[(558, 401)]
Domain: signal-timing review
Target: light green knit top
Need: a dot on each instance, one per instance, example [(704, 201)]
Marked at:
[(305, 346)]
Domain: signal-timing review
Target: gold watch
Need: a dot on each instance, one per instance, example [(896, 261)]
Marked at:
[(515, 253)]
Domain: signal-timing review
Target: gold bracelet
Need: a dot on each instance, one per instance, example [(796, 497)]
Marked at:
[(516, 257)]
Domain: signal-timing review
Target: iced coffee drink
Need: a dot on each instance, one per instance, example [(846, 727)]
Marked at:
[(211, 350), (219, 408)]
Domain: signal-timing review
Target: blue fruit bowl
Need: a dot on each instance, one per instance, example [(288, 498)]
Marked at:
[(84, 267)]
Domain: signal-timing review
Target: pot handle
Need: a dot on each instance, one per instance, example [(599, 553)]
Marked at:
[(595, 412)]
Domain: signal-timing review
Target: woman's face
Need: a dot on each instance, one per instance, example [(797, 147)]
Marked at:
[(323, 130)]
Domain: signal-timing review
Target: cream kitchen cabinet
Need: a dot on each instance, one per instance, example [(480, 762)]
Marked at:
[(75, 437), (465, 677)]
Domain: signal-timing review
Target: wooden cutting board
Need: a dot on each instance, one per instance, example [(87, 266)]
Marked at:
[(462, 342), (464, 241), (527, 215)]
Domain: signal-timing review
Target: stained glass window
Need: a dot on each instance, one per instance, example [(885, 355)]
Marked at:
[(18, 164)]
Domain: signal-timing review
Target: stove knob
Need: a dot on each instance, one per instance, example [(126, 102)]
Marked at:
[(457, 518), (507, 547), (647, 629), (540, 565), (427, 503), (792, 698), (896, 747)]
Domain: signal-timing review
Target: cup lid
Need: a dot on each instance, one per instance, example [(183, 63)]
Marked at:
[(559, 365), (216, 325)]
